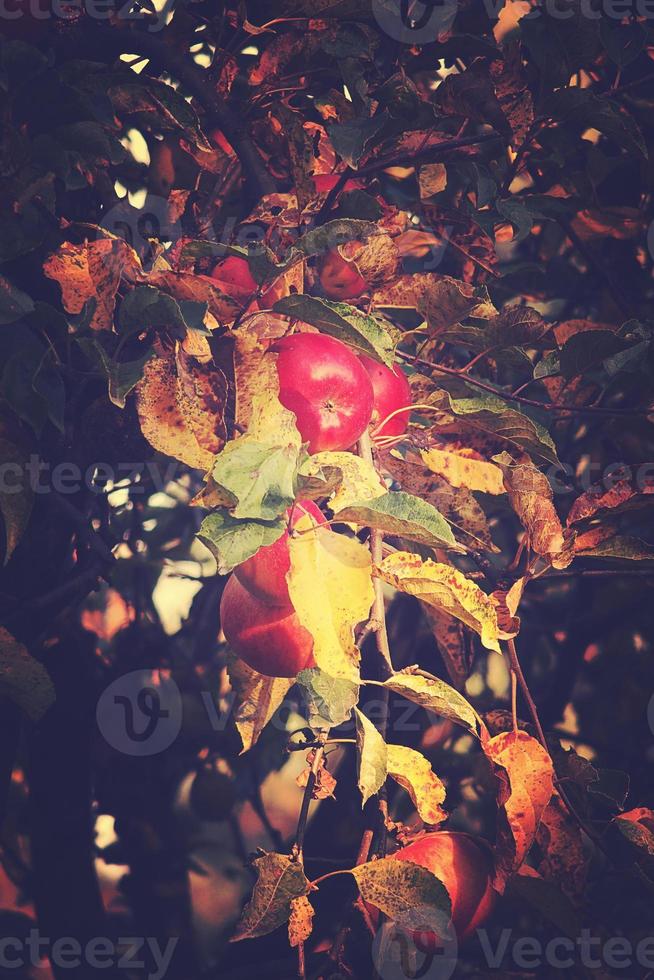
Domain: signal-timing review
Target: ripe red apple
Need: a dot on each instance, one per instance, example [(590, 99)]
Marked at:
[(464, 866), (327, 387), (339, 278), (264, 574), (270, 639), (233, 277), (324, 183), (391, 391)]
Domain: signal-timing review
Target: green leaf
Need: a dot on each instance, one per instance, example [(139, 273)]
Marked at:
[(232, 541), (342, 321), (14, 303), (279, 881), (258, 478), (548, 366), (329, 699), (491, 414), (585, 109), (147, 306), (403, 515), (122, 376), (340, 231), (623, 42), (435, 695), (371, 757), (587, 349), (23, 679), (407, 893), (620, 546), (351, 139)]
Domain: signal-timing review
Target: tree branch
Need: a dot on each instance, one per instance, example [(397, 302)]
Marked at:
[(198, 84), (520, 399)]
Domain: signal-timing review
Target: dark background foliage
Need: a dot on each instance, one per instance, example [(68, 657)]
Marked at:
[(546, 125)]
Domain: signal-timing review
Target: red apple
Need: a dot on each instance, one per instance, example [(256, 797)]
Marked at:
[(324, 183), (264, 575), (325, 384), (465, 867), (339, 278), (391, 391), (270, 639), (233, 277)]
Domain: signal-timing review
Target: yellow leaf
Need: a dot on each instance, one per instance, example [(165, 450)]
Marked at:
[(161, 420), (92, 271), (202, 392), (330, 585), (257, 699), (272, 423), (413, 772), (531, 775), (464, 471), (445, 588), (359, 479), (300, 923), (254, 369)]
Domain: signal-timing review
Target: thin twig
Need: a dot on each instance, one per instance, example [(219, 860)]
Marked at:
[(319, 752), (532, 402)]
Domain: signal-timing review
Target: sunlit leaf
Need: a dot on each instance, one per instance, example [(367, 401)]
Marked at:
[(413, 772), (330, 613), (445, 588), (371, 757)]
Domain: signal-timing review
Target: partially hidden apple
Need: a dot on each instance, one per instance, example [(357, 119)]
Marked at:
[(324, 183), (264, 574), (269, 639), (465, 867), (391, 392), (324, 383), (340, 277), (233, 277)]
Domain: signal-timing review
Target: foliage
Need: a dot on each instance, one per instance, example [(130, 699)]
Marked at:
[(478, 599)]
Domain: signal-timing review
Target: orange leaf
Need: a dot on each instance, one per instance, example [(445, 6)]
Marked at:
[(531, 774)]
